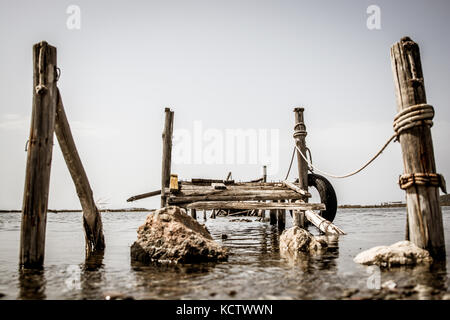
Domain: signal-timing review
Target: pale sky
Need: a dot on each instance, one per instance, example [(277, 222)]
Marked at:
[(229, 64)]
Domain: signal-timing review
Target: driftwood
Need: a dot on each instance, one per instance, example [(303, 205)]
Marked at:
[(236, 205)]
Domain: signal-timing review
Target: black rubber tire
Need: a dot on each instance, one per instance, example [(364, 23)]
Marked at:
[(326, 193)]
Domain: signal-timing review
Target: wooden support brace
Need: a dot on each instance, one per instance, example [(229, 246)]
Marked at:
[(92, 221)]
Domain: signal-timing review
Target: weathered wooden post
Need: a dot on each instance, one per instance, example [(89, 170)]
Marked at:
[(412, 124), (273, 216), (281, 217), (92, 221), (166, 154), (262, 213), (299, 136), (194, 214), (39, 157)]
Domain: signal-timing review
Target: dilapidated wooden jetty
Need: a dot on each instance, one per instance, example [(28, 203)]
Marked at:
[(421, 182), (234, 197)]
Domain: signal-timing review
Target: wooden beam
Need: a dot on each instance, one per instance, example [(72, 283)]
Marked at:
[(166, 154), (218, 186), (234, 195), (324, 225), (39, 157), (92, 221), (424, 219), (210, 205), (296, 188), (144, 195)]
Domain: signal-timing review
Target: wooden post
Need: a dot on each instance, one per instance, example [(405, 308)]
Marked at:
[(262, 213), (166, 154), (273, 216), (281, 218), (39, 157), (92, 220), (424, 215), (194, 213), (299, 135), (204, 215)]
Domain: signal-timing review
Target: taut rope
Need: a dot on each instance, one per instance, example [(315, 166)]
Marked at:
[(416, 115)]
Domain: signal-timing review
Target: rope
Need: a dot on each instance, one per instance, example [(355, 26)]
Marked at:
[(416, 115), (424, 179), (290, 165)]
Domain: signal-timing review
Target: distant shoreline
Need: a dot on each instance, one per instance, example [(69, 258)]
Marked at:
[(79, 210), (343, 206)]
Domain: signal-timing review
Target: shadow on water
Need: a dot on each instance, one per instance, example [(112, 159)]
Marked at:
[(32, 284), (165, 280)]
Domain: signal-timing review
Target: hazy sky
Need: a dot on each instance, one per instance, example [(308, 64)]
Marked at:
[(229, 64)]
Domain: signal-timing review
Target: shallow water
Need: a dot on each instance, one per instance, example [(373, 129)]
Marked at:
[(254, 269)]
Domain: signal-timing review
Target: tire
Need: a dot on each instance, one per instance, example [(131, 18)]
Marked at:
[(326, 193)]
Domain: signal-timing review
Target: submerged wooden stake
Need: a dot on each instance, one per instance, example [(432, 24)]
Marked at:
[(39, 157), (166, 154), (92, 221), (424, 222)]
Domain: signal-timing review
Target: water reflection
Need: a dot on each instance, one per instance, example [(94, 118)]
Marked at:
[(32, 284), (92, 276), (166, 281)]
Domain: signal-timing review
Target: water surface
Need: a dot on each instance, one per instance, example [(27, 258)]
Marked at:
[(254, 269)]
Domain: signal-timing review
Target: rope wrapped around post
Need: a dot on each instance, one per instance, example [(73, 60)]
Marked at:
[(413, 116)]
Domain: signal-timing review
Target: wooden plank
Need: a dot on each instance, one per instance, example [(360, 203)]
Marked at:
[(218, 186), (324, 225), (296, 188), (39, 157), (425, 227), (233, 195), (144, 195), (210, 205), (166, 154), (92, 221), (173, 185)]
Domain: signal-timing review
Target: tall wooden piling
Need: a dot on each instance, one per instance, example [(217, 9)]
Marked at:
[(299, 136), (39, 157), (281, 217), (424, 215), (92, 221), (262, 213), (166, 154)]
